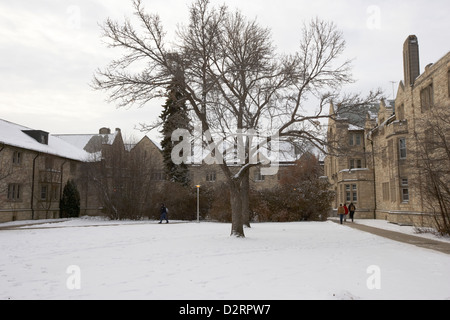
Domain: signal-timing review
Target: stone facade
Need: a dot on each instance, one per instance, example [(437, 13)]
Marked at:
[(389, 180), (350, 172), (212, 175), (32, 178)]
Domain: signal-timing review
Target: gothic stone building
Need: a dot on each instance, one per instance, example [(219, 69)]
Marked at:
[(379, 169)]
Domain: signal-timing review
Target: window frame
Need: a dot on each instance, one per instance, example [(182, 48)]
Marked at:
[(14, 192), (427, 98), (402, 149), (404, 187), (211, 176), (17, 158)]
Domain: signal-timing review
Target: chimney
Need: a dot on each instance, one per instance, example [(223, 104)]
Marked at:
[(104, 131), (411, 64)]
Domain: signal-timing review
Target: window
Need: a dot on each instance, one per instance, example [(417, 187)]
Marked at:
[(358, 139), (49, 193), (351, 192), (44, 190), (347, 192), (355, 164), (402, 148), (405, 195), (211, 176), (426, 98), (259, 176), (17, 157), (405, 190), (354, 139), (14, 190)]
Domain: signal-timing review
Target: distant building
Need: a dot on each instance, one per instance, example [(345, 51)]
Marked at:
[(36, 165)]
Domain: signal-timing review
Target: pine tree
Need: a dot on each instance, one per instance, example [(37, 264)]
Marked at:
[(70, 201), (174, 116)]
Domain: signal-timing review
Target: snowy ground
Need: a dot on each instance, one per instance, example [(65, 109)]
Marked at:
[(97, 259)]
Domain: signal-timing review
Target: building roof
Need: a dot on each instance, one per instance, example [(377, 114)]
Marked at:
[(91, 143), (357, 116), (19, 136)]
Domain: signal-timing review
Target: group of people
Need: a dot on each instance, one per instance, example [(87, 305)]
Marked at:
[(343, 211)]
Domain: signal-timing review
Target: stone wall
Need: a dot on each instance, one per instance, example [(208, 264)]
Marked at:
[(31, 183)]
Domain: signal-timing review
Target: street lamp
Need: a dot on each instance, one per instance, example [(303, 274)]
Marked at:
[(198, 203)]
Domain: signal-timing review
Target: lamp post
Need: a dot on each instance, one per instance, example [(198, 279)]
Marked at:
[(198, 203)]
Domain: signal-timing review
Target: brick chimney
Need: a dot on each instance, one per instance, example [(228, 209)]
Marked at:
[(104, 131), (411, 65)]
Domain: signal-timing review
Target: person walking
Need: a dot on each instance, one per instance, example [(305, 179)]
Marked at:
[(351, 209), (163, 213), (345, 212), (341, 212)]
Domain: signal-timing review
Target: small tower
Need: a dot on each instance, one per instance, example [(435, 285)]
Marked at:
[(411, 64)]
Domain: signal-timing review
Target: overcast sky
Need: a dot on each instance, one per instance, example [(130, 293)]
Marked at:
[(50, 50)]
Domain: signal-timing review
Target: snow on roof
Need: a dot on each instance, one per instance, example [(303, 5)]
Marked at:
[(13, 134), (352, 127)]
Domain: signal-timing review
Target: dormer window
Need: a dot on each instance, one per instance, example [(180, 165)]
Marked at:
[(38, 135)]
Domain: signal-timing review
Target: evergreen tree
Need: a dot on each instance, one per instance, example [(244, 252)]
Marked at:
[(70, 201), (174, 116)]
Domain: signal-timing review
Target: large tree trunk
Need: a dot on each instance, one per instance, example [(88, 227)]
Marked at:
[(245, 190), (237, 225)]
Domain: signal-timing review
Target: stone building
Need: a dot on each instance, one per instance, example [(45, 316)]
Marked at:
[(379, 168), (210, 175), (34, 168), (36, 165), (350, 170)]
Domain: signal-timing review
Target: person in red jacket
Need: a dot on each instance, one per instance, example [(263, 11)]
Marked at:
[(345, 212)]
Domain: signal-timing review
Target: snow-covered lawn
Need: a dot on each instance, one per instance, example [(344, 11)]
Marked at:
[(96, 259)]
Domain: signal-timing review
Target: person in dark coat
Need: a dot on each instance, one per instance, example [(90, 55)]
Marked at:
[(163, 213), (351, 209)]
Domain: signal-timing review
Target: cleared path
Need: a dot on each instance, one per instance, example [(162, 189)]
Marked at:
[(402, 237)]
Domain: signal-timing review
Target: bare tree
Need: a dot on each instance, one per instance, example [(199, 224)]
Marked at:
[(124, 181), (433, 165), (232, 78)]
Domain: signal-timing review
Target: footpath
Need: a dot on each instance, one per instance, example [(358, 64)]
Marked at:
[(440, 246)]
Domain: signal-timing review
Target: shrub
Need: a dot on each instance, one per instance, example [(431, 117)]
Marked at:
[(70, 202)]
